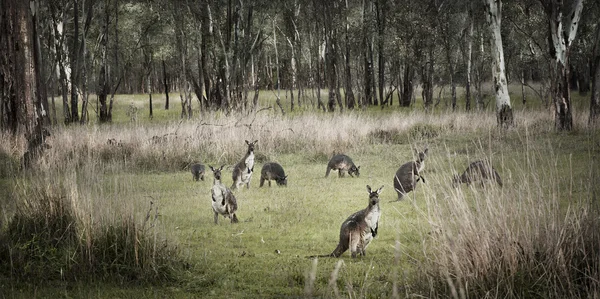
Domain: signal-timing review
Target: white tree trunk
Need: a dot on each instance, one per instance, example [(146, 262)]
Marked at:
[(494, 19)]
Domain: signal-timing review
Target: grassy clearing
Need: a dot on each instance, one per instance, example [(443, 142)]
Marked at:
[(529, 239)]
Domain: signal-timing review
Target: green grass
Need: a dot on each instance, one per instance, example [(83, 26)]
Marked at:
[(265, 254)]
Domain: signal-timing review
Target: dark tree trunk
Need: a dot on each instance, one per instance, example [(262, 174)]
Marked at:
[(166, 85), (407, 84), (41, 94), (75, 63), (595, 97), (380, 7), (367, 55), (22, 107), (103, 80)]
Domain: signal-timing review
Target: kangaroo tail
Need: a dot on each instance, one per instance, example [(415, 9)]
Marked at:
[(498, 179), (337, 252)]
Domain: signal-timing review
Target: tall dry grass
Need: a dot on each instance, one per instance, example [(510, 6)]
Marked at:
[(533, 238), (75, 212), (65, 220), (218, 139)]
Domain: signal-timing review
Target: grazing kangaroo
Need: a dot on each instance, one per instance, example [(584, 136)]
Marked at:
[(342, 164), (409, 174), (273, 171), (197, 171), (223, 201), (242, 172), (477, 171), (359, 229)]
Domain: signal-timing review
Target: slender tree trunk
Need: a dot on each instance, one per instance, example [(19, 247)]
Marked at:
[(380, 6), (42, 95), (57, 26), (278, 82), (75, 63), (367, 55), (407, 84), (595, 97), (103, 80), (166, 84), (503, 108), (469, 62)]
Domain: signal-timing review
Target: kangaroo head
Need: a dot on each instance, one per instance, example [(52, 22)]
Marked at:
[(251, 145), (216, 171), (281, 181), (423, 154), (374, 195), (354, 170)]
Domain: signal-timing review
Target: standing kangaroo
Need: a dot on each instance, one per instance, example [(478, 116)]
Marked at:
[(273, 171), (409, 174), (359, 229), (242, 172), (223, 201), (343, 164), (477, 171), (197, 171)]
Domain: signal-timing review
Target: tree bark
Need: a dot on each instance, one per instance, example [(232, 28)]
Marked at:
[(407, 84), (75, 63), (504, 113), (380, 6), (166, 84), (20, 91), (349, 94), (560, 42), (469, 62), (103, 80), (595, 97)]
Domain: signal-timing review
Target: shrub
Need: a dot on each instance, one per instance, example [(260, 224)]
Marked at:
[(52, 236)]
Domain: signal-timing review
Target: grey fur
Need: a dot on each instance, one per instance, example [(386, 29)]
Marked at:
[(359, 229), (409, 174), (342, 164), (197, 171), (242, 171), (480, 171), (223, 200), (273, 171)]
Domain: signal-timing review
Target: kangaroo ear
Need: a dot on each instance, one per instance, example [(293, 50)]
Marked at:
[(426, 150), (221, 167), (357, 167), (211, 168), (255, 141), (379, 190), (247, 142), (369, 189)]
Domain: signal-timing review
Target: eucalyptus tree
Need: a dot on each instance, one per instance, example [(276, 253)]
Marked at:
[(20, 80), (563, 21), (504, 114), (595, 97)]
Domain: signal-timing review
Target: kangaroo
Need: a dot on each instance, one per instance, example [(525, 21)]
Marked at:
[(197, 171), (273, 171), (477, 171), (242, 171), (409, 174), (223, 201), (342, 164), (359, 229)]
